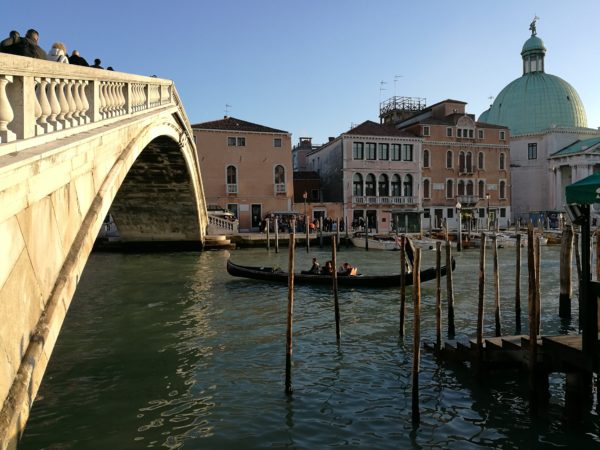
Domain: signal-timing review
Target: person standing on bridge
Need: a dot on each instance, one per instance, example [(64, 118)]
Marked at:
[(12, 38), (58, 53), (77, 60), (27, 46), (96, 64)]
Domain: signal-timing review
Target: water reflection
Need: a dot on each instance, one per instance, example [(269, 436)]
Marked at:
[(169, 351)]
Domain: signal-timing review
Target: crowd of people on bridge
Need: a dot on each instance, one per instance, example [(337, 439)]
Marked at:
[(28, 45)]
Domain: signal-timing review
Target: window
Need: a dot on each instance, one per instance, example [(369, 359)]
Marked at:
[(481, 189), (276, 142), (384, 187), (384, 152), (358, 150), (279, 179), (459, 132), (236, 142), (371, 148), (502, 135), (480, 134), (448, 159), (450, 213), (449, 189), (461, 162), (532, 151), (314, 195), (426, 131), (407, 152), (425, 158), (449, 132), (502, 189), (470, 134), (370, 185), (396, 186), (395, 152), (481, 213), (469, 162), (470, 188), (231, 180), (408, 186), (503, 212), (480, 161), (231, 141), (502, 163), (426, 189), (357, 185), (461, 187)]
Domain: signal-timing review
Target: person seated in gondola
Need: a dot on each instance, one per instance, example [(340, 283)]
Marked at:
[(347, 270), (314, 269), (327, 268)]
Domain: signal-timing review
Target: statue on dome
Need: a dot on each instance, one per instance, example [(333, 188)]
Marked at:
[(532, 25)]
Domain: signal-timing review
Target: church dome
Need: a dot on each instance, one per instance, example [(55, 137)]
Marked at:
[(536, 101)]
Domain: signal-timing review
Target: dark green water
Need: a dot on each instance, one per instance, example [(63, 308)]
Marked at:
[(168, 351)]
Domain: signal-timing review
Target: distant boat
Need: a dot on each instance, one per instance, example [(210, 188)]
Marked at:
[(275, 275), (392, 242)]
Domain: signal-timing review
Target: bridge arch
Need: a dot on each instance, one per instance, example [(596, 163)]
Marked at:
[(124, 145)]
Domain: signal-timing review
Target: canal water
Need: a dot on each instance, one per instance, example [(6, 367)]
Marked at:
[(169, 351)]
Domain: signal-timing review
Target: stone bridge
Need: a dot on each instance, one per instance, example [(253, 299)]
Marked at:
[(74, 143)]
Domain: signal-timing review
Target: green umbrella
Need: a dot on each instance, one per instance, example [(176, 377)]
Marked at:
[(585, 191)]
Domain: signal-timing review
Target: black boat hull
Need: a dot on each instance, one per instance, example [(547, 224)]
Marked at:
[(279, 276)]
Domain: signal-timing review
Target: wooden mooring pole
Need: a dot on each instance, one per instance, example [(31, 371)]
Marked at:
[(438, 296), (538, 292), (268, 235), (496, 288), (416, 415), (402, 284), (290, 312), (321, 232), (336, 304), (276, 235), (481, 297), (518, 286), (450, 289)]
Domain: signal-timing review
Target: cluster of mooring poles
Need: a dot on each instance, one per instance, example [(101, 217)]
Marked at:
[(319, 232)]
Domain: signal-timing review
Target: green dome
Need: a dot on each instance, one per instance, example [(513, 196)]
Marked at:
[(534, 43), (535, 102), (484, 116)]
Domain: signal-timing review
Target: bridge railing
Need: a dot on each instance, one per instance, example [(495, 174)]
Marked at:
[(40, 98)]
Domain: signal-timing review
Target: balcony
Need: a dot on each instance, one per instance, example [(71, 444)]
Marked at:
[(279, 188), (371, 200), (232, 188), (468, 201)]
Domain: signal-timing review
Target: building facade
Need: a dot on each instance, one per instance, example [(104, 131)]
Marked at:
[(373, 170), (545, 115), (246, 168), (465, 163)]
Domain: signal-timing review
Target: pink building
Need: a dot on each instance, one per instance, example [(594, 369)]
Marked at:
[(246, 168)]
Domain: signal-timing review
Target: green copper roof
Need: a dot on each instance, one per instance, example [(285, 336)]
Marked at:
[(535, 102), (533, 43), (484, 116), (579, 146)]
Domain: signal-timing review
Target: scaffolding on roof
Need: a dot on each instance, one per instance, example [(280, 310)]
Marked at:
[(403, 104)]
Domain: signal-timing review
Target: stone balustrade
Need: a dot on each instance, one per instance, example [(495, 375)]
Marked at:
[(39, 98)]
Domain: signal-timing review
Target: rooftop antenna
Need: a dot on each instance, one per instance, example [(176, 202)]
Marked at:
[(227, 109), (381, 89), (396, 77), (491, 98)]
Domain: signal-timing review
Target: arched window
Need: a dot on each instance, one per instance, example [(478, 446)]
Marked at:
[(426, 158), (461, 187), (502, 189), (469, 162), (480, 161), (396, 186), (231, 180), (357, 185), (461, 162), (481, 189), (279, 174), (502, 161), (470, 188), (448, 159), (384, 186), (408, 186), (426, 189), (370, 185), (449, 189)]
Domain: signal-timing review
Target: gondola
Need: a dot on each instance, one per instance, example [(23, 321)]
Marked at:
[(275, 275)]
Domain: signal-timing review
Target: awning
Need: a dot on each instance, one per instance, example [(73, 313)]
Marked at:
[(584, 192)]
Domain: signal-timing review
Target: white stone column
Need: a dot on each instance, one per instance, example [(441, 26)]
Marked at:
[(6, 112)]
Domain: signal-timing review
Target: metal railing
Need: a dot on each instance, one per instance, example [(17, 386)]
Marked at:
[(372, 200)]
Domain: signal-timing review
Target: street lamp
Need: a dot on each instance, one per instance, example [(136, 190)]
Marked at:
[(487, 197), (306, 224), (459, 243)]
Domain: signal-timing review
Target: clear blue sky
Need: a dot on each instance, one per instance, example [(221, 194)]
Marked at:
[(314, 67)]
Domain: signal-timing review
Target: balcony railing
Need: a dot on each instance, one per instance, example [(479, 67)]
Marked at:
[(232, 188), (371, 200), (279, 188), (467, 200)]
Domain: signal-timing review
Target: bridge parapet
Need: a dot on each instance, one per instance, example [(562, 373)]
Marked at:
[(43, 98)]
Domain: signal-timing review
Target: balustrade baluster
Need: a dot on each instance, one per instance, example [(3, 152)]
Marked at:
[(38, 108), (134, 97), (84, 101), (122, 101), (64, 105), (54, 105), (6, 113), (110, 101), (70, 103), (78, 114), (42, 95), (102, 95)]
